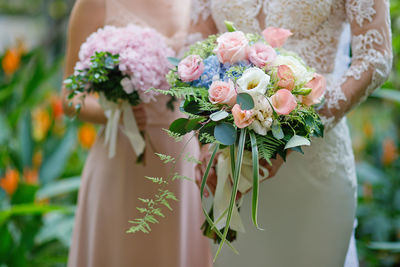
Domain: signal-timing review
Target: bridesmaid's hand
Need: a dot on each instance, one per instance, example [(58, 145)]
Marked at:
[(201, 168), (140, 116)]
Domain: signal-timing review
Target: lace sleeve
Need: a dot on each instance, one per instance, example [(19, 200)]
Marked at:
[(200, 9), (371, 58)]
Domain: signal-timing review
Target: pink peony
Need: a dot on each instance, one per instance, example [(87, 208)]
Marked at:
[(232, 47), (261, 54), (190, 68), (286, 77), (276, 37), (242, 118), (222, 93), (318, 86), (283, 102)]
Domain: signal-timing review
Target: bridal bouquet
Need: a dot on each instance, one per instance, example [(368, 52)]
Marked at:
[(120, 64), (250, 99)]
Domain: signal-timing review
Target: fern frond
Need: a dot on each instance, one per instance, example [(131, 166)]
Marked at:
[(181, 177), (157, 180), (191, 159), (165, 158), (173, 135)]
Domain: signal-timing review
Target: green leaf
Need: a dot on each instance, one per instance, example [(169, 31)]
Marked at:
[(302, 91), (230, 26), (219, 115), (225, 133), (25, 193), (245, 101), (55, 162), (297, 140), (277, 131), (60, 187), (236, 177), (174, 61), (182, 126), (202, 186), (26, 140), (29, 209), (5, 131), (256, 180)]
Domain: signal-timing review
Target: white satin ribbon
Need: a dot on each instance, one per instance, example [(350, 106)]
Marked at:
[(113, 112), (224, 188)]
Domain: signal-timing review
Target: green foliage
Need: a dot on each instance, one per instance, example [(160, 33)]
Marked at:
[(203, 48), (102, 75)]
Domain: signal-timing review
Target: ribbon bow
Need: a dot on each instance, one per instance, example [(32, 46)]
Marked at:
[(113, 112)]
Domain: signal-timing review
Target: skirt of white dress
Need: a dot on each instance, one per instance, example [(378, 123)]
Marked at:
[(307, 210)]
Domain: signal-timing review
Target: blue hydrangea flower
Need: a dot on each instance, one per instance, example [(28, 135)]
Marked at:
[(212, 69), (237, 74)]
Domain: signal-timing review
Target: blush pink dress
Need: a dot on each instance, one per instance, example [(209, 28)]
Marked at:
[(109, 193)]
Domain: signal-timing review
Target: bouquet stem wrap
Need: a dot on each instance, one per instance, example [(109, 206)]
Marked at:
[(113, 112), (224, 188)]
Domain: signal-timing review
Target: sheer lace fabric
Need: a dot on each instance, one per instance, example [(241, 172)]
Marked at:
[(316, 26)]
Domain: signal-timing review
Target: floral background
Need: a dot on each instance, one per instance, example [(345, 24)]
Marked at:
[(42, 152)]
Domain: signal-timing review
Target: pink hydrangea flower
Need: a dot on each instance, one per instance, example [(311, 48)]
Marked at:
[(143, 55)]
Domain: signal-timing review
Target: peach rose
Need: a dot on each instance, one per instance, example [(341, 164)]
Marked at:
[(276, 37), (222, 93), (190, 68), (286, 77), (232, 47), (261, 54), (318, 86), (283, 102), (242, 118)]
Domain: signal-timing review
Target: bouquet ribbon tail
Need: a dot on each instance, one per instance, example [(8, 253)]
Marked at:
[(131, 129), (224, 188), (113, 112)]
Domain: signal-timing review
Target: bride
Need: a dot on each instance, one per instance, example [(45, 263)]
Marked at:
[(110, 188), (308, 208)]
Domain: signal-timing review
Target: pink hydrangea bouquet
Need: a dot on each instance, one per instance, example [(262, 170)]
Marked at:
[(250, 99), (121, 64)]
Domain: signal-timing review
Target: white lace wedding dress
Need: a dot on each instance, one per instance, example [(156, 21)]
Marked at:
[(308, 208)]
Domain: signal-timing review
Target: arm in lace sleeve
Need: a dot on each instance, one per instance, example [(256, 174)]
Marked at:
[(371, 58)]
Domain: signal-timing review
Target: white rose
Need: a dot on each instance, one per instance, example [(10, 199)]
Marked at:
[(262, 115), (253, 81), (127, 85), (301, 74)]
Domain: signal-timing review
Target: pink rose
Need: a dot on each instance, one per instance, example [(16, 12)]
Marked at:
[(242, 118), (261, 54), (232, 47), (286, 77), (222, 93), (283, 102), (190, 68), (276, 37), (318, 86)]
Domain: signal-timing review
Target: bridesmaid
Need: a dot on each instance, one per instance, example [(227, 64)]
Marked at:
[(110, 187)]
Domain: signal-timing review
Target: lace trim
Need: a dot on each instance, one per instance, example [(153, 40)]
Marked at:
[(360, 10), (200, 9)]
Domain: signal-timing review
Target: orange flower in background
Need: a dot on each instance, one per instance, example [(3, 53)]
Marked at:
[(31, 176), (87, 135), (11, 61), (56, 107), (390, 152), (10, 181), (368, 129), (41, 123)]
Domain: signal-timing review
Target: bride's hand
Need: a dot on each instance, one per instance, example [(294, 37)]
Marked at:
[(274, 167), (201, 168), (140, 116)]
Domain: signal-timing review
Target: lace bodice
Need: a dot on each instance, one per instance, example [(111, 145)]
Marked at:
[(317, 26)]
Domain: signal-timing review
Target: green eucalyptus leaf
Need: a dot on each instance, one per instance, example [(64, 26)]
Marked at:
[(219, 115), (277, 131), (225, 133), (245, 101), (174, 61), (297, 140)]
